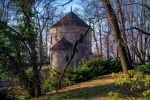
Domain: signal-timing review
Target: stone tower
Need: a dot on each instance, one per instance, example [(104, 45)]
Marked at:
[(64, 35)]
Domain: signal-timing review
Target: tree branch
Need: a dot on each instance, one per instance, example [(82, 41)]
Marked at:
[(66, 3), (142, 31), (72, 56), (21, 38), (148, 7)]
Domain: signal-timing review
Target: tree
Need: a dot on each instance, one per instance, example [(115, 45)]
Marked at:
[(115, 29), (20, 48)]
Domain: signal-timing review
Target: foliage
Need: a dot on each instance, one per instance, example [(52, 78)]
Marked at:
[(144, 68), (82, 72), (51, 82), (24, 95), (115, 96), (7, 95), (101, 88), (18, 48), (13, 93), (133, 84), (4, 76), (93, 68), (146, 93)]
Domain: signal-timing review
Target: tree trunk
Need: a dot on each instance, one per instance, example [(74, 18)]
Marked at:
[(100, 31), (36, 86), (95, 40), (32, 85), (121, 17), (115, 29)]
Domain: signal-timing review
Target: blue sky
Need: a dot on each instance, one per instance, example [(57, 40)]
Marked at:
[(74, 4)]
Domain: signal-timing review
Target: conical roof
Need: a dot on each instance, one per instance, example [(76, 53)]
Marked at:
[(70, 19), (63, 44)]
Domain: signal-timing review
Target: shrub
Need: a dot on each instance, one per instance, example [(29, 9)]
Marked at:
[(144, 68), (93, 68), (4, 75), (51, 82), (14, 93), (82, 72), (115, 96), (114, 65), (6, 95), (133, 84)]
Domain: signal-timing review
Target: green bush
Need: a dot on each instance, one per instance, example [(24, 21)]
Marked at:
[(133, 84), (52, 81), (144, 68), (82, 72), (4, 75), (93, 68)]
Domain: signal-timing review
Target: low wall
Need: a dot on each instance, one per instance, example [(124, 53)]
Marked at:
[(4, 83)]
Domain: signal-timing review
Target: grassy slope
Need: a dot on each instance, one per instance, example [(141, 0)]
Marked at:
[(95, 89)]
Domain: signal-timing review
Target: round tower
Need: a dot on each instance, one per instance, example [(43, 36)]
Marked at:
[(64, 34)]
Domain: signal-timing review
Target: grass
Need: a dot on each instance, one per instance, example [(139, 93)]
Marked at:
[(95, 89), (94, 92)]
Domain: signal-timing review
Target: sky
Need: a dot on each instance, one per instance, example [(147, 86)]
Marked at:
[(74, 4)]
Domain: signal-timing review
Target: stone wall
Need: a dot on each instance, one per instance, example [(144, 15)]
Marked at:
[(60, 58), (72, 34)]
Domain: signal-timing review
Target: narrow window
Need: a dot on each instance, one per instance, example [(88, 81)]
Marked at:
[(67, 58), (81, 38), (56, 36)]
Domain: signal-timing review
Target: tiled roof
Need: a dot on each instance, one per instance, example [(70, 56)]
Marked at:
[(70, 19), (63, 44)]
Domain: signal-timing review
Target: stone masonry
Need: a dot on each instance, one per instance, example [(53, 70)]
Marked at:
[(64, 35)]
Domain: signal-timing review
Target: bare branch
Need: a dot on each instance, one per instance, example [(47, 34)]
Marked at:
[(74, 51), (148, 7), (144, 5), (66, 3), (142, 31)]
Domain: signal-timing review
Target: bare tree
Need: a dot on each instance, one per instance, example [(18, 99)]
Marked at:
[(115, 28)]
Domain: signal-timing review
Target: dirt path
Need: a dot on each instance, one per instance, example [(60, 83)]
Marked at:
[(101, 80), (95, 89)]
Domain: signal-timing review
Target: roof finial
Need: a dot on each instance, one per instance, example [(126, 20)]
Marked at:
[(71, 8)]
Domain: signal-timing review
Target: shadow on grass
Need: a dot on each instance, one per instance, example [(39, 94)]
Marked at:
[(107, 76), (86, 92)]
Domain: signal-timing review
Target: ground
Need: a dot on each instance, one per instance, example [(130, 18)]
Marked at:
[(95, 89)]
